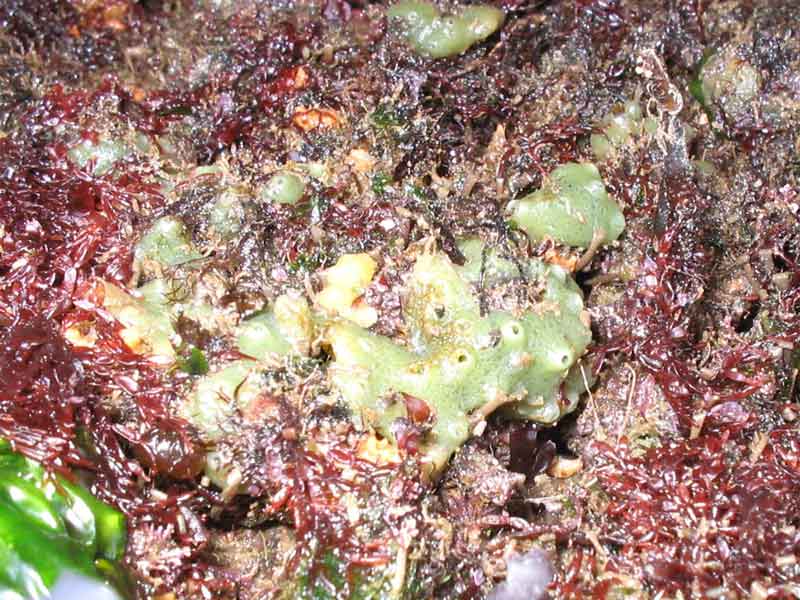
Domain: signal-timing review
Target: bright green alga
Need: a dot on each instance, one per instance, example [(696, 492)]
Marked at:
[(49, 527), (166, 243), (462, 364), (572, 207), (439, 36)]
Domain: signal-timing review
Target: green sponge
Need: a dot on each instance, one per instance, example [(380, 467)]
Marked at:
[(167, 243), (459, 362), (438, 36), (572, 207)]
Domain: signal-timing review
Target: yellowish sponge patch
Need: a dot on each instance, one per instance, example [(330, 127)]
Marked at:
[(344, 286), (147, 325)]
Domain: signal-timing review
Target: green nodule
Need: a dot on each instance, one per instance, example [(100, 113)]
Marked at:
[(195, 363), (439, 36), (284, 188), (103, 155), (624, 124), (572, 207), (167, 243), (227, 215)]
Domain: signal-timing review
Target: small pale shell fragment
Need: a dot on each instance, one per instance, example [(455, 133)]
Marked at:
[(758, 591), (786, 560), (301, 78), (81, 335), (133, 340), (379, 452), (232, 482), (361, 160), (309, 119), (563, 467)]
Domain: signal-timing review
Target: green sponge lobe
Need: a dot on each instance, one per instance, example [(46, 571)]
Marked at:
[(167, 243), (439, 36), (571, 207), (103, 154), (284, 188), (458, 361)]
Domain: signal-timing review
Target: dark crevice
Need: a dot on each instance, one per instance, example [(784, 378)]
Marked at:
[(747, 321)]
